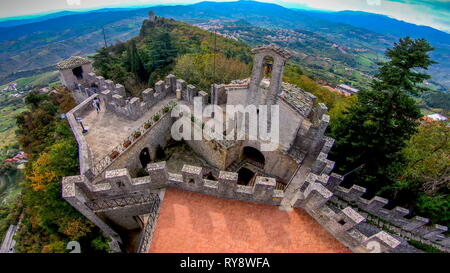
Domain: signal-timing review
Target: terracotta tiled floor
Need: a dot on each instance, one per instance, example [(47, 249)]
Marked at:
[(192, 222)]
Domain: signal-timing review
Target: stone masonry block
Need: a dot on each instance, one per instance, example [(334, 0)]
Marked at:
[(433, 232), (119, 179), (91, 77), (171, 82), (227, 183), (415, 223), (110, 84), (192, 175), (346, 219), (119, 100), (148, 95), (120, 90), (334, 180), (329, 166), (159, 87), (380, 243), (181, 84), (328, 144), (100, 81), (319, 164), (264, 188), (204, 97), (316, 195), (158, 171), (352, 194), (191, 92), (375, 204), (107, 95), (134, 107)]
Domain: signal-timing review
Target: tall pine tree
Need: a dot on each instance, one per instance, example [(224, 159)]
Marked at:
[(162, 54), (375, 128), (136, 65)]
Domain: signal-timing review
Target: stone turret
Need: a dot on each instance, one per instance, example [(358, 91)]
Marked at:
[(73, 73), (279, 57)]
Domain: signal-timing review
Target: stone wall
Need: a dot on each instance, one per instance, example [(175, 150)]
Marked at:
[(158, 135), (401, 219), (153, 133), (84, 154), (313, 198), (133, 108), (69, 80)]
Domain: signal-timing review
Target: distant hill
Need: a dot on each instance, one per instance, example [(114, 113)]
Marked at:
[(30, 46), (384, 25), (22, 20)]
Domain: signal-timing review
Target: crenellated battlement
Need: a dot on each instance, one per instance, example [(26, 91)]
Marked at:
[(118, 191), (398, 218), (133, 108), (108, 193)]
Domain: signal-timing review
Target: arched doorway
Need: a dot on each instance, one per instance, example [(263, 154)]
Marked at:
[(253, 155), (144, 157), (245, 176)]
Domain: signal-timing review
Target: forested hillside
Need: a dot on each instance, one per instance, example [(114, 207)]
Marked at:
[(166, 46)]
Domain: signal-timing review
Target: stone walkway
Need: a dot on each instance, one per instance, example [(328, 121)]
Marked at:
[(107, 130), (193, 222)]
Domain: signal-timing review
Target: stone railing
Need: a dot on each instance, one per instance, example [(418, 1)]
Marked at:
[(105, 204), (149, 228), (313, 197), (398, 218), (387, 226), (84, 154), (101, 165)]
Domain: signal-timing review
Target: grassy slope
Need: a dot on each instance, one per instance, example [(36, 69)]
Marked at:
[(11, 107)]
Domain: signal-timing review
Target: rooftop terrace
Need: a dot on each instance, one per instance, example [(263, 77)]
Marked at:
[(193, 222), (107, 130)]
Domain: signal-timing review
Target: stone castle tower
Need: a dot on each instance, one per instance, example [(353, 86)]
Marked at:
[(124, 139)]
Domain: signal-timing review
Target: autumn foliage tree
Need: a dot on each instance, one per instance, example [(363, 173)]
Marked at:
[(48, 221)]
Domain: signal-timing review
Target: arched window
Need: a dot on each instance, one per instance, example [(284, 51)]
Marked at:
[(144, 157), (267, 66)]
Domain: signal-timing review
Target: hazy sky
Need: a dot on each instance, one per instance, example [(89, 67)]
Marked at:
[(435, 13)]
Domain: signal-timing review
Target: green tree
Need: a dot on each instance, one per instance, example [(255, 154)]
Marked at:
[(422, 179), (374, 129), (405, 58), (49, 222), (161, 55), (198, 68), (136, 64)]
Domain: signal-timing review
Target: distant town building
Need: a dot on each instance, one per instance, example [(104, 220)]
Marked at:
[(11, 87), (331, 89), (434, 117), (346, 90), (19, 158)]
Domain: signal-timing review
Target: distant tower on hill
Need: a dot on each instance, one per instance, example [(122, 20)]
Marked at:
[(152, 16)]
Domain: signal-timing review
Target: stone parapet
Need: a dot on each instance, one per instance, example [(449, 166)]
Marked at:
[(397, 216)]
